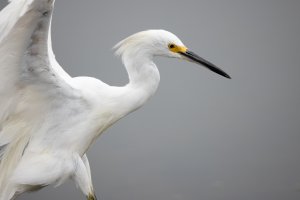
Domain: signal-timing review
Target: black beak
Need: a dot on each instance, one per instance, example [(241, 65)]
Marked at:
[(197, 59)]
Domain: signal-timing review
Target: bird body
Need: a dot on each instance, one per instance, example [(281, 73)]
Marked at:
[(48, 119)]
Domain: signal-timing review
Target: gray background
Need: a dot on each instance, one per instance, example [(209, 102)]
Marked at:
[(201, 136)]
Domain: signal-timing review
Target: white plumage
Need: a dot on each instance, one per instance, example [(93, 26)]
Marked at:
[(48, 119)]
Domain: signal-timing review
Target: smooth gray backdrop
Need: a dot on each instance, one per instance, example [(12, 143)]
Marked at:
[(201, 136)]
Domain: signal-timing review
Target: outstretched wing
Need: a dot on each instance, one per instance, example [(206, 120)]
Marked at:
[(33, 86), (35, 92), (29, 74)]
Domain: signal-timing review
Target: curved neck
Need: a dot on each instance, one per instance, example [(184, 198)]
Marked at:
[(143, 78)]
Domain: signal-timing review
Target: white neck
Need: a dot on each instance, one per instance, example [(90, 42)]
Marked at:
[(143, 79)]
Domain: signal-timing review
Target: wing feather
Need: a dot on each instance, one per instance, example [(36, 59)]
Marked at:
[(27, 63), (32, 83)]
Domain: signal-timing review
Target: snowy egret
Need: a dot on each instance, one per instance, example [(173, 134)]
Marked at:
[(48, 119)]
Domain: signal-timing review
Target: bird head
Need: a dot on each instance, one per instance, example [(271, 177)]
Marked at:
[(161, 43)]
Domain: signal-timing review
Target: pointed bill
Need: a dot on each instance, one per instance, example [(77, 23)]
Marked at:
[(191, 56)]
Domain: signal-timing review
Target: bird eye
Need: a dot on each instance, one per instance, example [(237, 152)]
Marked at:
[(171, 46)]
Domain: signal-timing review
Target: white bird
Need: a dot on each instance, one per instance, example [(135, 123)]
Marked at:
[(48, 120)]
